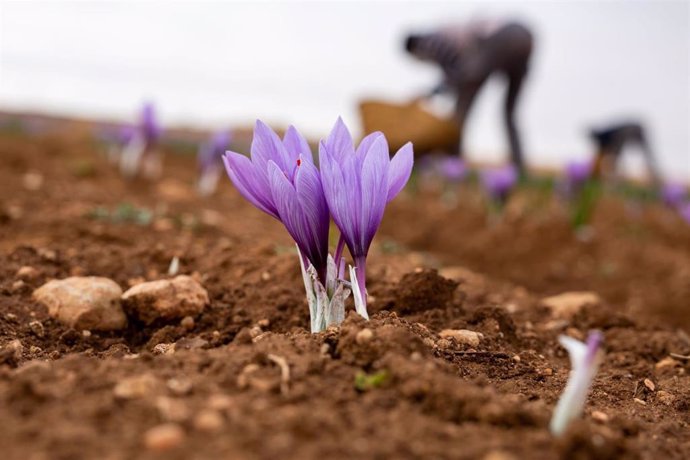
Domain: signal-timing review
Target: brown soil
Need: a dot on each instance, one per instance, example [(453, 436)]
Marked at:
[(247, 380)]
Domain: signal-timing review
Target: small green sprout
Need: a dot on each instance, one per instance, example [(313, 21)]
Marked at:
[(366, 382)]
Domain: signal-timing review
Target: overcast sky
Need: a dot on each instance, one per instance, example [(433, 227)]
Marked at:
[(219, 63)]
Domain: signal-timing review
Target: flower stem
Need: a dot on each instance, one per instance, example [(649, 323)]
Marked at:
[(361, 264)]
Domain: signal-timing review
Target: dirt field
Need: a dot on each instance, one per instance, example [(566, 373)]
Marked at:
[(246, 380)]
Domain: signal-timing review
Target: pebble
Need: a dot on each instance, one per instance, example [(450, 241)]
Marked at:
[(666, 362), (219, 402), (165, 299), (568, 304), (134, 387), (639, 401), (600, 416), (16, 347), (172, 410), (443, 344), (187, 323), (27, 273), (462, 336), (208, 420), (179, 386), (364, 336), (649, 384), (164, 349), (89, 302), (164, 437), (37, 328)]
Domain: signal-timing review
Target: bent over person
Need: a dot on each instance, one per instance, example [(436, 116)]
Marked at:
[(468, 55)]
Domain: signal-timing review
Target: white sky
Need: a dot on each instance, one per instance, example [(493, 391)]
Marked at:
[(305, 63)]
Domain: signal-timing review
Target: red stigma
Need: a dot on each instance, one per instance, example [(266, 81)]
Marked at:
[(299, 162)]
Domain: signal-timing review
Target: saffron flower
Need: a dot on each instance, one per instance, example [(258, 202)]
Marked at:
[(281, 180), (141, 151), (210, 161), (498, 183), (357, 185), (584, 359), (452, 168), (673, 194)]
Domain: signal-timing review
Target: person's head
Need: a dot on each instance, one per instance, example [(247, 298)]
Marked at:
[(418, 46)]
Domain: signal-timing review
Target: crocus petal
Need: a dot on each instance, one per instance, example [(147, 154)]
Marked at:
[(400, 170), (338, 196), (584, 359), (266, 145), (314, 209), (252, 185), (297, 145), (339, 142), (366, 143), (374, 191)]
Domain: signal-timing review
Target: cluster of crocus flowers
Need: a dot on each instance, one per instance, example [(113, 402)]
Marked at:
[(499, 183), (585, 359), (352, 186), (676, 197), (210, 162), (140, 153)]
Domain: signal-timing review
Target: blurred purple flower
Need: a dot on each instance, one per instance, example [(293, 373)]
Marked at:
[(210, 161), (578, 172), (673, 194), (499, 182), (358, 184), (452, 168), (281, 180), (148, 124)]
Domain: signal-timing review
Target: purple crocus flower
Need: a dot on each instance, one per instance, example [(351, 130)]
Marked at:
[(452, 168), (210, 161), (498, 183), (578, 172), (584, 360), (673, 194), (357, 185), (281, 180), (140, 151)]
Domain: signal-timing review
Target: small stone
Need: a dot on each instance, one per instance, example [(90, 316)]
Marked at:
[(364, 336), (600, 416), (32, 181), (164, 437), (666, 363), (649, 384), (639, 401), (187, 323), (255, 331), (517, 358), (134, 387), (265, 276), (462, 336), (547, 372), (172, 410), (165, 299), (219, 402), (164, 349), (665, 397), (89, 302), (18, 286), (568, 304), (16, 348), (179, 386), (208, 420), (37, 328), (27, 273), (499, 455), (325, 350), (34, 350), (86, 333), (264, 323)]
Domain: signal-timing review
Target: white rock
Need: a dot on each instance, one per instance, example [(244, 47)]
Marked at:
[(463, 336), (568, 304), (165, 299), (84, 302), (164, 437)]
